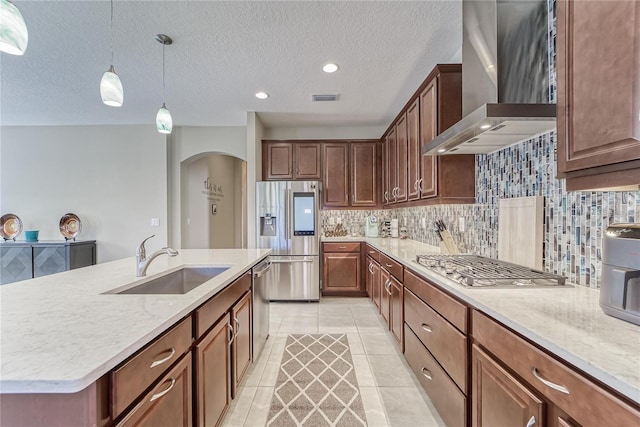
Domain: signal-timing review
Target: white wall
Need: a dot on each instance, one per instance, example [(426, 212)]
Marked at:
[(186, 142), (255, 135), (112, 177), (353, 132)]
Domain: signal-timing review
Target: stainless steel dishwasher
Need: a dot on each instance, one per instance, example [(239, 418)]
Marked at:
[(261, 317)]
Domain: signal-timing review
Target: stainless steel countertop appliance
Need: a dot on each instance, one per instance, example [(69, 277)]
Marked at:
[(261, 309), (620, 283), (481, 272), (288, 223)]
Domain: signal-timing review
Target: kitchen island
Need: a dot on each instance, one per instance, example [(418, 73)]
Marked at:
[(60, 334), (565, 322)]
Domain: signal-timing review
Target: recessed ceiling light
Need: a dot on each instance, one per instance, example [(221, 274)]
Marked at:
[(330, 68), (485, 126), (441, 150), (262, 95)]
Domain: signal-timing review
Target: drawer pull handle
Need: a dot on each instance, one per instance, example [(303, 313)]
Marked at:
[(161, 361), (427, 374), (232, 332), (372, 252), (427, 327), (548, 383), (389, 265), (163, 392), (342, 247), (531, 422)]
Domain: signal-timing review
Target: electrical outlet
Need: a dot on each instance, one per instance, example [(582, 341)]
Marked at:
[(461, 224), (155, 222), (339, 220), (423, 223)]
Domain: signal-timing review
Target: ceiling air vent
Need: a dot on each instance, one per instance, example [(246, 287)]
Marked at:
[(325, 97)]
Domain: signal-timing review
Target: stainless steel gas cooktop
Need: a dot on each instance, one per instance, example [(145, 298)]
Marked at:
[(477, 271)]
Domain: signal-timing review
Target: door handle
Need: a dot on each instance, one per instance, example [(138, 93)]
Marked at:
[(258, 274), (291, 261)]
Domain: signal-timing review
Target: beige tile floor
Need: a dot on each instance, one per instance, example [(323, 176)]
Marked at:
[(391, 394)]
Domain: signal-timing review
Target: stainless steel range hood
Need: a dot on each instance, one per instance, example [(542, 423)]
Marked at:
[(505, 78)]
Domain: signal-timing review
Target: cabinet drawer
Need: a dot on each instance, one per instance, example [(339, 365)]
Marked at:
[(169, 403), (141, 370), (444, 341), (213, 309), (583, 400), (395, 268), (373, 253), (446, 397), (342, 247), (455, 312)]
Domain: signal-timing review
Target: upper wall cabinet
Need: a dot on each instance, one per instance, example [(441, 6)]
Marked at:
[(410, 176), (335, 179), (598, 65), (286, 160)]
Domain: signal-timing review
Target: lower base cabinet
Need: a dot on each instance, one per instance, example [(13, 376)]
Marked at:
[(169, 403), (213, 374), (241, 345), (341, 270), (396, 310), (499, 399)]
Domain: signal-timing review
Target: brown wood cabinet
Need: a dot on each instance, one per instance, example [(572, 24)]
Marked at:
[(335, 177), (277, 160), (499, 399), (241, 346), (598, 45), (413, 150), (213, 374), (385, 308), (396, 312), (428, 185), (364, 174), (169, 403), (373, 281), (401, 159), (391, 167), (306, 161), (341, 269)]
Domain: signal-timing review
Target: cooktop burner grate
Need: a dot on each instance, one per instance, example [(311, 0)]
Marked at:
[(474, 270)]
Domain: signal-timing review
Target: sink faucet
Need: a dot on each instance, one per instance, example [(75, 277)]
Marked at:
[(142, 262)]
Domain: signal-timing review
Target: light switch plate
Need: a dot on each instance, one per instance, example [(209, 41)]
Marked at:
[(155, 222), (461, 224)]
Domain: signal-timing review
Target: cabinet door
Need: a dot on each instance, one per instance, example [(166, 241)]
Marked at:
[(169, 403), (499, 399), (385, 282), (49, 260), (385, 189), (16, 263), (306, 161), (341, 272), (81, 255), (363, 174), (392, 166), (335, 177), (428, 131), (241, 346), (396, 318), (277, 160), (401, 152), (598, 91), (213, 374), (369, 278), (414, 155), (375, 284)]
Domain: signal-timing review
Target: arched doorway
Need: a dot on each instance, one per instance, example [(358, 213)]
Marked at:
[(213, 202)]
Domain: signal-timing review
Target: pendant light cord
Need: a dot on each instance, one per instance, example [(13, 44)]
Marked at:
[(111, 32), (163, 88)]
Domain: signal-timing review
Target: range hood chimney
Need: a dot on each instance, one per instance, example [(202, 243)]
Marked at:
[(505, 78)]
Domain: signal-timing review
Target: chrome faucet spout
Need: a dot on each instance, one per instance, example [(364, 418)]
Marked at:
[(142, 262)]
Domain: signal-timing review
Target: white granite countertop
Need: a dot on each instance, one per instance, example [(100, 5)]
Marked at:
[(566, 321), (60, 333)]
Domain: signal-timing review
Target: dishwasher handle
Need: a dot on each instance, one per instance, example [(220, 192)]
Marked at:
[(259, 273)]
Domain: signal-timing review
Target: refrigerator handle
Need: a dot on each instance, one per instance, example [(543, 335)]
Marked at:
[(286, 214), (290, 213)]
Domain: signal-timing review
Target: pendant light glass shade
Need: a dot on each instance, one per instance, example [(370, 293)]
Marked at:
[(13, 31), (111, 88), (164, 122)]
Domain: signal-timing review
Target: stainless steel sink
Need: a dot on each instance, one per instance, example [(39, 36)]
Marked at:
[(178, 282)]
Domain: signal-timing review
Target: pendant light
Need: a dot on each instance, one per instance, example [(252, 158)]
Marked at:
[(110, 85), (164, 122), (14, 36)]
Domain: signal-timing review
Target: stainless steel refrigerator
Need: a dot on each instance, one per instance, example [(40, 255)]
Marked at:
[(288, 223)]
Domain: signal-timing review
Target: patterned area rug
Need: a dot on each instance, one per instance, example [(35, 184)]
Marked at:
[(316, 384)]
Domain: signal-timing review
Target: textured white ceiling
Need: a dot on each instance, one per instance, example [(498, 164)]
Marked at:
[(224, 52)]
